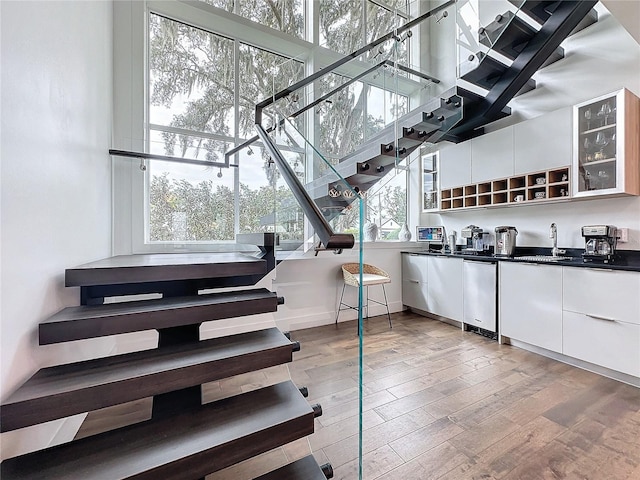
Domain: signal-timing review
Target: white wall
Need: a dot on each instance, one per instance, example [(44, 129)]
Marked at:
[(598, 60), (56, 182)]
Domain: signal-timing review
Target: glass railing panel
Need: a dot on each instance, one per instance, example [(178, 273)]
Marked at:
[(342, 135), (481, 37)]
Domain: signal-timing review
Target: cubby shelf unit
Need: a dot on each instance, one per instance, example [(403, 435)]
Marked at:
[(529, 188)]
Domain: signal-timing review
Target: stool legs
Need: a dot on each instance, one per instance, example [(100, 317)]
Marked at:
[(365, 306), (340, 304), (387, 305)]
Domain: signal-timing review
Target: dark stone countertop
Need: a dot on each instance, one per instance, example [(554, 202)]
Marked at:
[(627, 260)]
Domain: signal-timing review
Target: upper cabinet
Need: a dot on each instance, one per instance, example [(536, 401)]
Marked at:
[(455, 165), (607, 145), (492, 155), (543, 143)]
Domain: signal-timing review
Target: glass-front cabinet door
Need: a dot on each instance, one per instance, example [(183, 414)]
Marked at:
[(429, 165), (606, 158)]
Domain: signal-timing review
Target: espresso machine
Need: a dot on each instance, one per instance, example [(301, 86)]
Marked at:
[(600, 243), (476, 240)]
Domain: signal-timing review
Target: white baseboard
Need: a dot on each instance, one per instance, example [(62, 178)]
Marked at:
[(605, 372)]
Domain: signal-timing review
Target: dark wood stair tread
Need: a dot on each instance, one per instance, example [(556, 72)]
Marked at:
[(65, 390), (89, 321), (160, 267), (304, 469), (188, 445), (507, 35)]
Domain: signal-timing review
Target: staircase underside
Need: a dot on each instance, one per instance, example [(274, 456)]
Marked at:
[(461, 114)]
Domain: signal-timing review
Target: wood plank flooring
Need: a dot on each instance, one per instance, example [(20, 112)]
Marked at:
[(439, 404)]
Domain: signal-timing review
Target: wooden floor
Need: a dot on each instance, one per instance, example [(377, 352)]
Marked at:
[(440, 404)]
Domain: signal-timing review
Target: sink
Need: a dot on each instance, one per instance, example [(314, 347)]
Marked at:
[(543, 258)]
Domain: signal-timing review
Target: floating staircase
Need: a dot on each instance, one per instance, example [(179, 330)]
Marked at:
[(184, 439), (460, 114)]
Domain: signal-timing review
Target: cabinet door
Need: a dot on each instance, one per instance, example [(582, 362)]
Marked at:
[(414, 281), (530, 299), (606, 145), (614, 345), (479, 294), (543, 142), (455, 165), (492, 155), (604, 294), (444, 291)]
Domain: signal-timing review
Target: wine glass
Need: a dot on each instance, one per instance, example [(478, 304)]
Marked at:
[(601, 139), (587, 145), (604, 112), (587, 117)]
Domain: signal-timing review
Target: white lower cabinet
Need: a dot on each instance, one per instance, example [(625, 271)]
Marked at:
[(610, 344), (601, 318), (530, 299), (479, 294), (442, 293), (414, 280), (444, 290)]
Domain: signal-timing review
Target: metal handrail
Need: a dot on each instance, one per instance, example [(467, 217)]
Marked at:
[(322, 72), (331, 240), (166, 158)]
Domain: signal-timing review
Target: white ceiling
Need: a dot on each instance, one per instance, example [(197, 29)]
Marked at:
[(627, 12)]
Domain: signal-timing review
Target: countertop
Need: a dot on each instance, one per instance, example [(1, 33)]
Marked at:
[(628, 260)]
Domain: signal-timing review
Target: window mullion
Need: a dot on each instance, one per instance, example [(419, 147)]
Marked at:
[(236, 126)]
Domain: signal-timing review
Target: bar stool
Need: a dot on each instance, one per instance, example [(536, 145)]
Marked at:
[(371, 275)]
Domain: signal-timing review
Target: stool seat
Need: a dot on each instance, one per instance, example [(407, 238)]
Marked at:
[(371, 275), (371, 279)]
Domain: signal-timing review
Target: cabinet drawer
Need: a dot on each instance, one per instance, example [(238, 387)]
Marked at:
[(609, 294), (614, 345), (414, 294), (415, 267)]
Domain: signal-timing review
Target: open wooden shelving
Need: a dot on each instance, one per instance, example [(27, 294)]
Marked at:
[(520, 189)]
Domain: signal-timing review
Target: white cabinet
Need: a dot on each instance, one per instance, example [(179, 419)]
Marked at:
[(544, 142), (479, 294), (444, 290), (455, 165), (611, 344), (530, 299), (601, 318), (414, 280), (492, 155), (442, 293)]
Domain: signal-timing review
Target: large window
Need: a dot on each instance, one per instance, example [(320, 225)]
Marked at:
[(202, 81), (201, 104)]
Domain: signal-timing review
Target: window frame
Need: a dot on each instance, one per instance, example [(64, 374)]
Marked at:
[(131, 100)]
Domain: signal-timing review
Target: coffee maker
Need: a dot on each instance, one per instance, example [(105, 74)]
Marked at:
[(476, 239), (600, 243)]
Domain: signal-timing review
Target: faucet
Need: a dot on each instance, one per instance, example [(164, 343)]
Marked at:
[(553, 233)]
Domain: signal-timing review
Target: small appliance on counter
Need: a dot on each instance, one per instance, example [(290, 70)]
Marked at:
[(477, 241), (600, 243), (452, 241), (505, 241), (431, 236)]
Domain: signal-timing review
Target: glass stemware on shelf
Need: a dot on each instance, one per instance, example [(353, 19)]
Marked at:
[(587, 117), (587, 146), (604, 113), (601, 142)]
